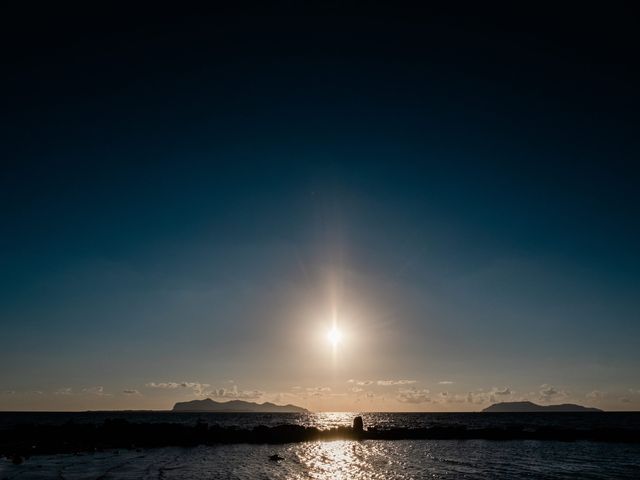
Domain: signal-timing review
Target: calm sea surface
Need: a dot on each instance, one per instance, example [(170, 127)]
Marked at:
[(335, 419), (370, 459)]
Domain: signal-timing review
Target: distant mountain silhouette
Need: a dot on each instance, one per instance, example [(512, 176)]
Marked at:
[(517, 407), (208, 405)]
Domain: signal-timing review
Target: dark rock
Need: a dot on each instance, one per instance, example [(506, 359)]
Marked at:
[(358, 425), (70, 438)]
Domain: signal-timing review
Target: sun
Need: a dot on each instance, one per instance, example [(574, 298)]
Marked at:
[(334, 336)]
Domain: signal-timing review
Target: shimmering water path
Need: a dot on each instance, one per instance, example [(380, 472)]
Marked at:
[(471, 459)]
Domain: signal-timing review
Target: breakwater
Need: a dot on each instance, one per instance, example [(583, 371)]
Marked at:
[(118, 433)]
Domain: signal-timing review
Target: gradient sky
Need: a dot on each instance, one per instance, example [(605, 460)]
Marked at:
[(186, 200)]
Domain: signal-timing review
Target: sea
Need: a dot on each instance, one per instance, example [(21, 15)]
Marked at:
[(344, 459)]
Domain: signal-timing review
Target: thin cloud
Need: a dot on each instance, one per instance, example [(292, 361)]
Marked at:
[(413, 395), (445, 382), (163, 385), (502, 392), (381, 383), (481, 397), (446, 397), (389, 383), (549, 392), (477, 398), (197, 387), (361, 383), (235, 394), (98, 391), (318, 391), (596, 395), (315, 392)]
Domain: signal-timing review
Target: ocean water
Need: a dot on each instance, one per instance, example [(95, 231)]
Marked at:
[(447, 459), (368, 459), (334, 419)]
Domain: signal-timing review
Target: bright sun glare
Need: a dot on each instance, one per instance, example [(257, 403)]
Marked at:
[(334, 336)]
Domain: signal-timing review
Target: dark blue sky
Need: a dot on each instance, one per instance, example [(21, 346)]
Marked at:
[(180, 192)]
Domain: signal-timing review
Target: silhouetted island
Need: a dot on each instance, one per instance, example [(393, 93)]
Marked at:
[(524, 407), (235, 406)]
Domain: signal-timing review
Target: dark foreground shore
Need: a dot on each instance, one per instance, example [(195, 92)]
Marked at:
[(25, 440)]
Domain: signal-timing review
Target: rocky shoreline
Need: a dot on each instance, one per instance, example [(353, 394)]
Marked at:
[(25, 440)]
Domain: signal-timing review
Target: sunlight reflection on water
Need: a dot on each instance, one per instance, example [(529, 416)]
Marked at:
[(353, 460), (332, 419), (339, 459)]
